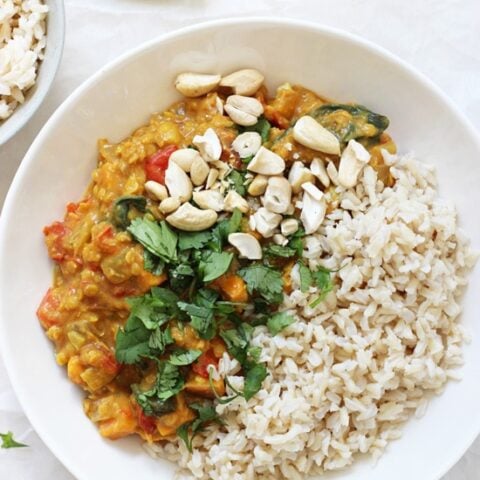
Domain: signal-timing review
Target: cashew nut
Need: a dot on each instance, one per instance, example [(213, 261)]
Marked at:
[(184, 158), (247, 245), (209, 145), (279, 239), (233, 200), (243, 82), (243, 110), (178, 183), (209, 199), (199, 171), (312, 190), (353, 159), (317, 167), (266, 162), (332, 172), (169, 205), (313, 213), (309, 133), (192, 219), (196, 84), (289, 226), (247, 144), (211, 178), (258, 186), (298, 175), (265, 222), (156, 190), (278, 195)]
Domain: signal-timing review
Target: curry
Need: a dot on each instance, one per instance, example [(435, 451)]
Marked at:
[(125, 313)]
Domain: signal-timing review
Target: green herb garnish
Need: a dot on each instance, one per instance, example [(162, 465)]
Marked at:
[(9, 442)]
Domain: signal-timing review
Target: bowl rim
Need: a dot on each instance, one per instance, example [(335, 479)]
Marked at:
[(39, 95), (29, 157)]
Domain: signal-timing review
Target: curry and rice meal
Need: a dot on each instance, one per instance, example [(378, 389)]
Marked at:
[(257, 286)]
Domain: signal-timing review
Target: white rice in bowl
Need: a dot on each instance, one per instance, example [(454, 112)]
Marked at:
[(346, 376), (22, 43)]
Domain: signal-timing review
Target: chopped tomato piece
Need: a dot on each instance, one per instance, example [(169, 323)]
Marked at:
[(201, 366), (146, 422), (156, 164), (55, 234), (47, 312)]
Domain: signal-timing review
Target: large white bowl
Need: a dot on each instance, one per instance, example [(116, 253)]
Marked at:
[(121, 97), (46, 73)]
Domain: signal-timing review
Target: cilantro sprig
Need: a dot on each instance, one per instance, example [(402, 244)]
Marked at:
[(9, 442)]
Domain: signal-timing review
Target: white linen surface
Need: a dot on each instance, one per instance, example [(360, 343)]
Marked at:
[(441, 38)]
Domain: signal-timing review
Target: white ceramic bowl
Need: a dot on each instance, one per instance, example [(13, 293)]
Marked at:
[(46, 73), (121, 97)]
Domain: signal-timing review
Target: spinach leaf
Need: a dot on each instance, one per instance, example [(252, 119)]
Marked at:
[(158, 238), (354, 121), (122, 207), (277, 322), (265, 281), (184, 357), (9, 442)]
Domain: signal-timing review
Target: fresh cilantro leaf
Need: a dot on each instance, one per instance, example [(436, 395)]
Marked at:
[(196, 240), (296, 241), (150, 404), (280, 251), (263, 280), (306, 278), (9, 442), (169, 381), (152, 263), (122, 207), (262, 127), (214, 265), (149, 310), (323, 281), (248, 159), (157, 238), (223, 229), (206, 414), (277, 322), (132, 343), (253, 380), (254, 353), (159, 339), (201, 312), (180, 277), (141, 332), (184, 357), (237, 341), (237, 180)]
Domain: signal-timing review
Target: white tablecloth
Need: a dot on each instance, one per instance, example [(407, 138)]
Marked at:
[(441, 38)]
